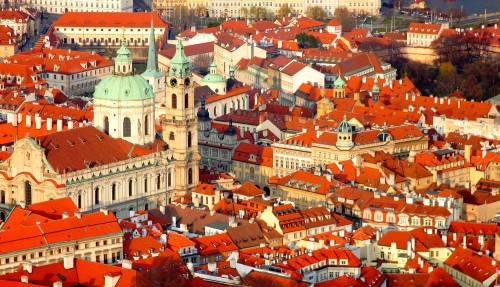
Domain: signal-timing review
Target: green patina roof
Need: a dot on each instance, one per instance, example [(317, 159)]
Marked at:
[(123, 88), (213, 77), (339, 83), (179, 65), (344, 126), (123, 54), (152, 66)]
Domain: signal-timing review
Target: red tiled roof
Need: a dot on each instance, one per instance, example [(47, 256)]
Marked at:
[(472, 264), (254, 154), (110, 19), (214, 244), (248, 189), (424, 28)]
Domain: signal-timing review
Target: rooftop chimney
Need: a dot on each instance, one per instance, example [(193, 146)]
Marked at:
[(22, 204), (65, 215), (38, 122), (49, 124), (28, 266), (59, 125), (126, 264), (57, 284), (24, 279), (69, 261), (71, 125), (162, 209), (28, 121)]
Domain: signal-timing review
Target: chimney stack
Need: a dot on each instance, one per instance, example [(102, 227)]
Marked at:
[(28, 121), (69, 261), (71, 125), (38, 122), (59, 125), (49, 124), (65, 215), (24, 279)]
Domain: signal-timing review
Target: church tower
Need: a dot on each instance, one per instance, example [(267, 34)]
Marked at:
[(180, 125), (152, 74), (375, 91), (339, 88)]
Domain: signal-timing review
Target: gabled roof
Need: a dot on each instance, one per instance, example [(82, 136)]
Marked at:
[(309, 182), (214, 244), (248, 189), (472, 264), (254, 154)]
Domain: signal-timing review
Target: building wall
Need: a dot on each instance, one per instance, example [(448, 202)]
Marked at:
[(108, 36), (257, 174), (288, 158), (77, 83), (60, 7), (480, 213), (302, 199), (104, 249), (8, 50), (154, 171)]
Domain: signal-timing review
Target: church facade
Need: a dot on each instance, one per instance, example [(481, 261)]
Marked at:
[(118, 163)]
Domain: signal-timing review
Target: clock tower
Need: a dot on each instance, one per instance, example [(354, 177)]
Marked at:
[(180, 125)]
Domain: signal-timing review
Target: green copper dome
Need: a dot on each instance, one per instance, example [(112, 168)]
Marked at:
[(213, 77), (179, 65), (123, 88), (123, 84), (339, 83), (344, 126)]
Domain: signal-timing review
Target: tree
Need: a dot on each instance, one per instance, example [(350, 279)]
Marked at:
[(307, 41), (457, 13), (447, 81), (345, 18), (166, 273), (284, 10), (201, 63), (315, 12), (200, 11), (258, 12), (471, 89), (244, 12)]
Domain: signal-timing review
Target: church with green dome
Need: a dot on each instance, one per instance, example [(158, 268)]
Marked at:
[(124, 102)]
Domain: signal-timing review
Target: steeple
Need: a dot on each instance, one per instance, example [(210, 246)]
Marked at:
[(376, 88), (179, 65), (152, 65)]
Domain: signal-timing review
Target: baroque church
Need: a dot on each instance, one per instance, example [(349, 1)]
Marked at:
[(119, 163)]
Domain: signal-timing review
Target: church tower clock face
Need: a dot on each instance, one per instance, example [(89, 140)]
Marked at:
[(173, 82)]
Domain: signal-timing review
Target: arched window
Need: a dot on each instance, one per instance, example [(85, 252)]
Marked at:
[(225, 109), (146, 125), (189, 139), (146, 206), (145, 184), (27, 193), (172, 136), (126, 127), (2, 196), (79, 201), (174, 101), (215, 111), (96, 195), (169, 179), (113, 191), (130, 187), (190, 176), (186, 101), (158, 181), (106, 125)]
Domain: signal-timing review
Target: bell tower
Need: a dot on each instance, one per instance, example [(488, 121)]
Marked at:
[(180, 125)]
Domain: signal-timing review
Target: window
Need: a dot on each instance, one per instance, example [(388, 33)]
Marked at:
[(190, 176), (96, 195), (189, 139), (146, 125), (174, 101), (126, 127), (130, 187), (113, 191), (106, 125), (158, 181), (186, 101), (79, 201), (169, 179), (172, 136), (27, 192), (2, 196), (145, 185), (415, 221)]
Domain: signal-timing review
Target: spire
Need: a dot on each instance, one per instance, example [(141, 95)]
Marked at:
[(152, 65), (152, 62), (376, 88), (179, 65)]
